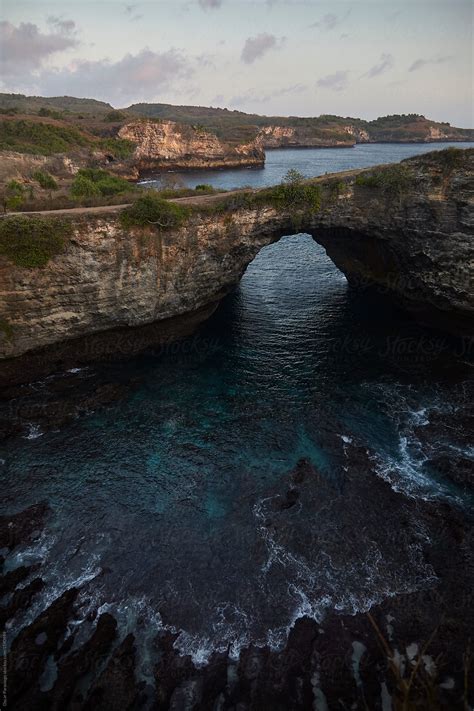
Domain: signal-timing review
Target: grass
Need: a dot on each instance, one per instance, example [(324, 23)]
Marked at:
[(151, 210), (32, 241), (90, 182), (394, 179), (45, 180), (448, 159), (41, 138)]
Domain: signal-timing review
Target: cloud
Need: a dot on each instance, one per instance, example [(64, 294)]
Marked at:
[(25, 48), (130, 11), (210, 4), (135, 77), (385, 63), (258, 96), (420, 63), (330, 21), (62, 26), (335, 82), (256, 47)]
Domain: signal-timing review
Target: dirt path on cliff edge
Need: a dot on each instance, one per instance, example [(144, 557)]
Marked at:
[(191, 200)]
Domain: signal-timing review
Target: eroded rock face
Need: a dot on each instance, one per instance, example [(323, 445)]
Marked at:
[(166, 144), (416, 245), (303, 137)]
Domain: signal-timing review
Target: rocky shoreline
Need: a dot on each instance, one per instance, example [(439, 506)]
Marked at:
[(411, 648)]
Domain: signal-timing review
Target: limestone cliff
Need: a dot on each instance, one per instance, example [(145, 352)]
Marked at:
[(304, 137), (344, 133), (169, 145), (412, 240)]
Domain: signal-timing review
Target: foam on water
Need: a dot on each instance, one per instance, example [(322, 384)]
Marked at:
[(166, 506)]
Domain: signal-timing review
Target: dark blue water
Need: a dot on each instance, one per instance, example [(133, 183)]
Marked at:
[(166, 504), (309, 161)]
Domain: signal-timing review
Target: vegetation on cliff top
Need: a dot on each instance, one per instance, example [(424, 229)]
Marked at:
[(392, 180), (93, 181), (448, 159), (43, 138), (151, 210), (32, 241)]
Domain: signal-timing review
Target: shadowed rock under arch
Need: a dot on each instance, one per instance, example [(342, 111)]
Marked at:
[(406, 229)]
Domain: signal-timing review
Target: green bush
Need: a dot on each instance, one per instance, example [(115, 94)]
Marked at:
[(14, 195), (32, 241), (204, 188), (84, 187), (50, 113), (150, 209), (45, 180), (95, 181), (39, 138), (113, 116), (394, 179), (118, 147), (293, 193)]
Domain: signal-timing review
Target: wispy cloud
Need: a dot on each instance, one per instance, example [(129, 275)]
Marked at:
[(336, 82), (330, 21), (259, 97), (210, 4), (256, 47), (420, 63), (385, 63), (130, 10), (135, 77), (25, 47), (61, 26)]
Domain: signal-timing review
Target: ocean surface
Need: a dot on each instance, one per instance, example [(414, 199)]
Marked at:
[(169, 505), (308, 161)]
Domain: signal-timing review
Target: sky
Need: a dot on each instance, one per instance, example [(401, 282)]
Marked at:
[(364, 58)]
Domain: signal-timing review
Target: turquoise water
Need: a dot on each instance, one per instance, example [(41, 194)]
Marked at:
[(168, 506)]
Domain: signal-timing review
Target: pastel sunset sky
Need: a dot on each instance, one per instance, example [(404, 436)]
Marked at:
[(288, 57)]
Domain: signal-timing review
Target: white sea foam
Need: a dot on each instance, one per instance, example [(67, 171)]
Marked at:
[(34, 431)]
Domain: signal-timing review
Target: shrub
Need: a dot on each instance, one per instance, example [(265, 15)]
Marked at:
[(151, 209), (394, 179), (118, 147), (39, 138), (32, 241), (114, 116), (45, 180), (14, 195), (94, 181), (204, 188), (294, 193), (84, 187), (450, 158), (50, 113)]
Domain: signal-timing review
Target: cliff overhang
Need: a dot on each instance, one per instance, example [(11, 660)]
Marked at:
[(406, 230)]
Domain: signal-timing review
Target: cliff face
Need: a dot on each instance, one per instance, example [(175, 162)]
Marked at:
[(419, 130), (415, 244), (302, 137), (166, 145)]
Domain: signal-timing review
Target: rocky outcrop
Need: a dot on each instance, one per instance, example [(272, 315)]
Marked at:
[(338, 134), (405, 229), (304, 137), (169, 145)]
